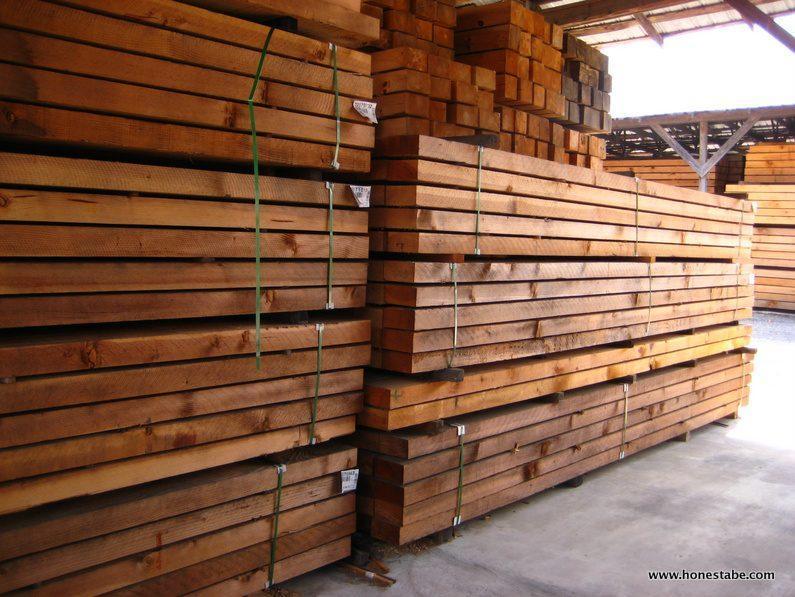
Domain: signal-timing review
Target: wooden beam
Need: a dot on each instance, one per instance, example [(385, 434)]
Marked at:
[(762, 113), (729, 144), (755, 16), (591, 11), (648, 28), (674, 144)]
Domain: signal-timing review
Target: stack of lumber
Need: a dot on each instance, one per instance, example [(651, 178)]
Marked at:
[(416, 482), (342, 22), (586, 86), (161, 334), (425, 94), (92, 241), (427, 203), (536, 136), (426, 25), (504, 310), (169, 80), (209, 532), (773, 249), (524, 50), (770, 163), (673, 171)]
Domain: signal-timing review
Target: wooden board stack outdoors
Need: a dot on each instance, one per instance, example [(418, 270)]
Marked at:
[(773, 248), (202, 313)]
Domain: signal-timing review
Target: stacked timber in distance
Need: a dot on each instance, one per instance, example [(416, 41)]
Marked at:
[(770, 163), (417, 481), (76, 76), (207, 533), (677, 172), (773, 250), (427, 25), (504, 287), (169, 319)]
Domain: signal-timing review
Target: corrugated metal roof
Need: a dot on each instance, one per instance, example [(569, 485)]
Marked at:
[(684, 16)]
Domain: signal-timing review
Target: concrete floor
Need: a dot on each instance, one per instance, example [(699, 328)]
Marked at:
[(725, 500)]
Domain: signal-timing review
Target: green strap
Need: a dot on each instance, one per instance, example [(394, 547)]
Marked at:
[(622, 453), (335, 163), (477, 200), (277, 505), (257, 240), (454, 276), (319, 327), (461, 430), (330, 270)]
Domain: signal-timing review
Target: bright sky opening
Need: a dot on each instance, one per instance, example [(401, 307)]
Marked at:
[(713, 69)]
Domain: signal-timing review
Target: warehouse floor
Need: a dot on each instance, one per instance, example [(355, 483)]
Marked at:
[(724, 500)]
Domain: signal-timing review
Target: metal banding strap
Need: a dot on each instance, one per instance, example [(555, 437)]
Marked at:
[(335, 162), (637, 216), (319, 327), (257, 240), (454, 277), (330, 269), (648, 319), (277, 504), (626, 419), (739, 265), (461, 431), (477, 200)]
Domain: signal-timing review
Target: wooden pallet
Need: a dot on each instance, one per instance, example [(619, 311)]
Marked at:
[(88, 241), (79, 78), (197, 532), (87, 412), (395, 401), (411, 478), (646, 219)]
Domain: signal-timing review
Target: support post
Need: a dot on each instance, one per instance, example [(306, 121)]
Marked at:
[(703, 153)]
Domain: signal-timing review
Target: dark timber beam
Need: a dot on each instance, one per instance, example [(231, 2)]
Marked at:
[(741, 114), (755, 16), (648, 28), (590, 11)]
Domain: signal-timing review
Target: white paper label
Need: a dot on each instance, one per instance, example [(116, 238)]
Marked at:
[(349, 479), (366, 109), (752, 279), (361, 194)]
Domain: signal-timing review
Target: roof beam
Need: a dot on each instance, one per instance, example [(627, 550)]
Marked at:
[(648, 28), (590, 11), (763, 113), (754, 15)]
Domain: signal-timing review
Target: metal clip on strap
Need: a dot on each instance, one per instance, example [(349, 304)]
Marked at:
[(257, 240), (335, 162), (454, 276), (330, 270), (277, 504), (626, 419), (477, 200), (461, 431), (319, 327)]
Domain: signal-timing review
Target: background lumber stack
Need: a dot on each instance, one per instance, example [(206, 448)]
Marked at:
[(418, 480), (770, 163), (138, 390), (773, 250), (677, 172), (422, 93), (524, 50), (586, 86), (426, 25), (520, 278)]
